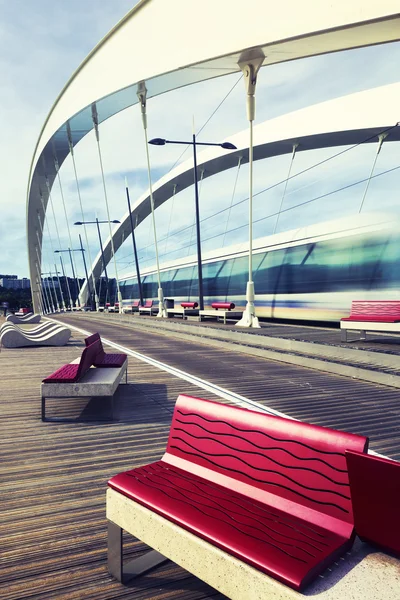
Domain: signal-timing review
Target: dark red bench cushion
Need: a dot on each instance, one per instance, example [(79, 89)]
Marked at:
[(189, 304), (280, 545), (111, 360), (103, 359), (148, 304), (223, 305), (73, 372), (375, 495), (269, 490), (65, 374)]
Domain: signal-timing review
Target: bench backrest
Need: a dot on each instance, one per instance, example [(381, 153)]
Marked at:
[(375, 308), (92, 338), (223, 305), (296, 461), (189, 304), (375, 495), (148, 304), (136, 304), (90, 355)]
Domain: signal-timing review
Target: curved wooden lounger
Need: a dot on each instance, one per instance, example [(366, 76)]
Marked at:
[(16, 338), (29, 318)]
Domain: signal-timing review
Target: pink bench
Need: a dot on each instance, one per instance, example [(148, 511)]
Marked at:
[(222, 310), (147, 308), (102, 359), (271, 492), (191, 305), (381, 315), (375, 497), (79, 379)]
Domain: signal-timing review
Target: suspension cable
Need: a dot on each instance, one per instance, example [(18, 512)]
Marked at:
[(380, 142), (71, 149), (58, 234), (95, 119), (232, 198), (286, 184), (51, 247), (52, 280)]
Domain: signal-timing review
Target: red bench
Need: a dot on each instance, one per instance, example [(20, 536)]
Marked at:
[(379, 315), (103, 359), (147, 308), (191, 305), (271, 492), (78, 379), (221, 309), (375, 496)]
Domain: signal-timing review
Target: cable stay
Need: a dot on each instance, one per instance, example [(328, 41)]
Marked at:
[(51, 247), (381, 139), (73, 264), (58, 238), (232, 199), (295, 146), (95, 120), (71, 149)]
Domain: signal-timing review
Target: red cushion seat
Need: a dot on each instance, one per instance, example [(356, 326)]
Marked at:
[(111, 360), (265, 538), (223, 305), (65, 374)]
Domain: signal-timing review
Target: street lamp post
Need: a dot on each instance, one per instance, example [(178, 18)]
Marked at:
[(97, 222), (70, 250), (194, 143), (86, 272)]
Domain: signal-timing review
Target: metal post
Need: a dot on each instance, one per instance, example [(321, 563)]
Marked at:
[(54, 290), (73, 275), (86, 273), (250, 64), (103, 259), (134, 246), (196, 198), (66, 283)]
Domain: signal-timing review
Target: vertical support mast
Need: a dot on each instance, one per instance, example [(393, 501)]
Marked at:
[(250, 63)]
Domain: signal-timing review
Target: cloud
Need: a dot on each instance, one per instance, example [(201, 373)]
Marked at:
[(42, 43)]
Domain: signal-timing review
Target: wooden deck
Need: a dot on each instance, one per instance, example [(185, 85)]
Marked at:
[(54, 475), (54, 478)]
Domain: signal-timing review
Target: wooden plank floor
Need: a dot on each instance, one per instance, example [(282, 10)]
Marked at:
[(53, 476), (53, 480), (306, 394)]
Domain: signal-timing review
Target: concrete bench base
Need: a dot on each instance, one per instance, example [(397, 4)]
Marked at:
[(221, 313), (101, 382), (363, 326), (363, 575)]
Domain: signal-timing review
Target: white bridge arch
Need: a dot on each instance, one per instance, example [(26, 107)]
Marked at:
[(141, 48)]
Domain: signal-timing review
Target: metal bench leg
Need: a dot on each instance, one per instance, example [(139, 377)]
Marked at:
[(43, 408), (344, 335), (134, 568), (363, 335)]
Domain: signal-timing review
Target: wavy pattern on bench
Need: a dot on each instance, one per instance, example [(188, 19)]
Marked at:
[(293, 466), (17, 338), (29, 318)]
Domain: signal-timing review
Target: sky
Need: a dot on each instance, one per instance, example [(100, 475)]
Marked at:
[(41, 45)]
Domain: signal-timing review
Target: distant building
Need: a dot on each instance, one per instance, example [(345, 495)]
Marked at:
[(12, 282)]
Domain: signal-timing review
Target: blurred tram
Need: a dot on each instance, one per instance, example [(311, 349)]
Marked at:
[(310, 273)]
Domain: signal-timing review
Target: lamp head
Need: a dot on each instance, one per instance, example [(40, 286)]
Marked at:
[(157, 142), (56, 251), (228, 146), (116, 220), (78, 223)]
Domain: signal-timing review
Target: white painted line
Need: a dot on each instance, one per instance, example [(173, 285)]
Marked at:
[(201, 383)]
